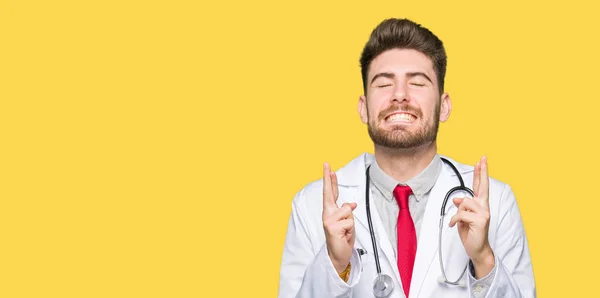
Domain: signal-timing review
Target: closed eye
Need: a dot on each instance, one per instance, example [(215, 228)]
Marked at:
[(385, 85)]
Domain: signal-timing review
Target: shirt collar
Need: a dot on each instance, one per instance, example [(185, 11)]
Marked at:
[(420, 184)]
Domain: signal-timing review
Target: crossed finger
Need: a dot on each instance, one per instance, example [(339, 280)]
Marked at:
[(481, 181), (328, 194)]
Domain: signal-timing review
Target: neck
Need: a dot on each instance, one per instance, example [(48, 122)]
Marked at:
[(404, 164)]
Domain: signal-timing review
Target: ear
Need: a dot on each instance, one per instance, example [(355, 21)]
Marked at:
[(362, 109), (445, 108)]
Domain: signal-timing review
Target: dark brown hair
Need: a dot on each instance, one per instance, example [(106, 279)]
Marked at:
[(404, 34)]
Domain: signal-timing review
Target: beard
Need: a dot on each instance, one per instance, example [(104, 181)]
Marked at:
[(399, 137)]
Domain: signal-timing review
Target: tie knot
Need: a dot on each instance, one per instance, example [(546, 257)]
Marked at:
[(401, 193)]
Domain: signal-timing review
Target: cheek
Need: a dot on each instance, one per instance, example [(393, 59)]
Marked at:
[(427, 102), (378, 99), (421, 94), (374, 110)]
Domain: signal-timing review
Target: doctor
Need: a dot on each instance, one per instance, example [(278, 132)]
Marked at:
[(338, 246)]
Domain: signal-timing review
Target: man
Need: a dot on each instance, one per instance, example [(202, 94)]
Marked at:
[(329, 249)]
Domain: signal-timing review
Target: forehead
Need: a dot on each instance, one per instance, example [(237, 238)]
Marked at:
[(401, 61)]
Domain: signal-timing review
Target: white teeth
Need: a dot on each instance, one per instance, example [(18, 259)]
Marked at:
[(401, 117)]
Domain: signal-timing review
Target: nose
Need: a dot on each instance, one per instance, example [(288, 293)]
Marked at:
[(400, 93)]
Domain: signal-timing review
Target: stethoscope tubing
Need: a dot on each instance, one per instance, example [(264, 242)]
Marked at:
[(442, 214)]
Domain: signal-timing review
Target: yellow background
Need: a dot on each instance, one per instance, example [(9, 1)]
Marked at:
[(152, 148)]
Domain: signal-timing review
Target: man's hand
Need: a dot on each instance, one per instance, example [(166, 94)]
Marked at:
[(338, 222), (473, 218)]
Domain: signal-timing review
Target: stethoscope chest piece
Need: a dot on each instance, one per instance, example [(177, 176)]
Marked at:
[(383, 286)]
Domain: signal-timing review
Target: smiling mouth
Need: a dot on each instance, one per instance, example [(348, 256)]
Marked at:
[(400, 117)]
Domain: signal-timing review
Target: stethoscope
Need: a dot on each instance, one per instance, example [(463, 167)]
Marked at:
[(383, 284)]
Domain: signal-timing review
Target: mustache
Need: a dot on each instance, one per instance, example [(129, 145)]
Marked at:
[(396, 108)]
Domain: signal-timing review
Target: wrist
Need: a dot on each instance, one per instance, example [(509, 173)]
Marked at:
[(484, 263), (340, 266)]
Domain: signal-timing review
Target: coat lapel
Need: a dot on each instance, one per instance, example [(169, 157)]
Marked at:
[(355, 191), (427, 243), (351, 181)]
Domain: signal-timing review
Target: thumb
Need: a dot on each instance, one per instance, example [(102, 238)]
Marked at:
[(457, 201), (352, 205)]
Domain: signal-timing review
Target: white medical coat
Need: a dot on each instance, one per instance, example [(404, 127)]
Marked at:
[(306, 270)]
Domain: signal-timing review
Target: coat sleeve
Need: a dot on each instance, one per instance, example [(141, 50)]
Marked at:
[(514, 272), (306, 271)]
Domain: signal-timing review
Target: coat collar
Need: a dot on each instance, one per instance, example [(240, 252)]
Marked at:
[(353, 173)]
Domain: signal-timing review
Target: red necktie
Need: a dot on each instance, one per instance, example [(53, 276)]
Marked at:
[(407, 237)]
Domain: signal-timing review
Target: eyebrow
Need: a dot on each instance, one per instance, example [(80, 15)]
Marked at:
[(418, 73), (390, 75)]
